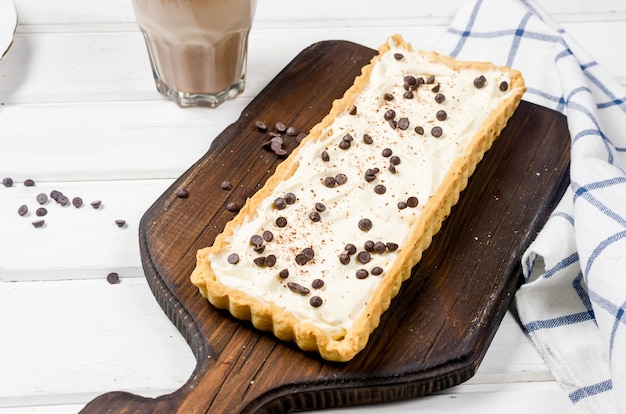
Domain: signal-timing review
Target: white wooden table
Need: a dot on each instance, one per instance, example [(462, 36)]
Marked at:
[(79, 113)]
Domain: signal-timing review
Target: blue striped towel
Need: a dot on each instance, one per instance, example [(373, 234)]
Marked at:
[(574, 308)]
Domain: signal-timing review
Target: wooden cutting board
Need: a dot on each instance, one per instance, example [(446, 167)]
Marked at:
[(437, 329)]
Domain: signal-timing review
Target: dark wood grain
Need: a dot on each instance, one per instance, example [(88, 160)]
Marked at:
[(438, 327)]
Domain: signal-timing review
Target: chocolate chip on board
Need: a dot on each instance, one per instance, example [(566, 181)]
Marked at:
[(113, 278), (120, 223), (22, 210), (7, 182)]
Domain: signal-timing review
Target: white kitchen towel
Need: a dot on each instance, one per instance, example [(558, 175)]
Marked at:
[(574, 310)]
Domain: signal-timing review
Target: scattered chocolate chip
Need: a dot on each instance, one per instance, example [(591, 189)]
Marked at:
[(480, 81), (390, 114), (281, 221), (63, 200), (380, 247), (259, 249), (261, 126), (233, 258), (256, 240), (317, 284), (388, 97), (41, 211), (436, 88), (394, 160), (316, 301), (393, 124), (387, 152), (436, 131), (315, 216), (181, 193), (369, 245), (398, 56), (412, 201), (419, 130), (226, 185), (504, 86), (409, 80), (280, 127), (268, 236), (232, 207), (325, 156), (344, 145), (362, 274), (320, 207), (280, 203), (308, 253), (113, 278), (430, 80), (392, 168), (365, 224), (344, 258), (295, 287), (283, 274), (439, 98), (350, 248), (7, 182), (259, 261), (377, 271), (408, 95), (380, 189), (391, 246), (441, 115), (291, 131), (300, 137), (290, 198), (341, 179), (402, 205), (270, 260), (368, 139), (301, 259), (329, 182), (38, 223), (96, 204), (42, 198), (54, 194), (352, 110), (120, 223), (29, 183), (22, 210), (364, 257), (403, 123)]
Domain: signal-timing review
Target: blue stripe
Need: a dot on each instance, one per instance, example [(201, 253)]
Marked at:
[(519, 34), (557, 322), (591, 390), (566, 216), (467, 31), (609, 241), (568, 261)]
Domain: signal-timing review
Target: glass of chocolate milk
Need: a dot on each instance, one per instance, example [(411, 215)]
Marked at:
[(197, 48)]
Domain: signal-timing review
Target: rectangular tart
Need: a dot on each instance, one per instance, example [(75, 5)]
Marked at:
[(319, 252)]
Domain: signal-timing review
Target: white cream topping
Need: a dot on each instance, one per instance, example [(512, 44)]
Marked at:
[(424, 161)]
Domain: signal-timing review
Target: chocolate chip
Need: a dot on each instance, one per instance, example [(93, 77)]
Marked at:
[(42, 198), (291, 131), (256, 240), (408, 95), (402, 205), (226, 185), (300, 137), (113, 278), (54, 194), (393, 124), (380, 247), (181, 193), (388, 97), (281, 221), (352, 110), (22, 210), (290, 198), (377, 271), (329, 182), (308, 253), (412, 201), (317, 284), (398, 56), (436, 131), (504, 86), (29, 183), (301, 259), (77, 202), (320, 207), (260, 126), (232, 207), (268, 236), (96, 204), (259, 249), (391, 246), (341, 179), (369, 245), (259, 261), (439, 98), (344, 258), (403, 123), (368, 139), (430, 80), (280, 127), (120, 223), (350, 248), (38, 223), (409, 80), (7, 182), (41, 211), (436, 88), (387, 152), (362, 274), (270, 260), (233, 258), (63, 200), (441, 115), (392, 168), (364, 257), (280, 203), (380, 189), (344, 145), (316, 301), (390, 114), (295, 287), (480, 81), (365, 224), (394, 160), (283, 274), (325, 156), (419, 130), (315, 216)]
